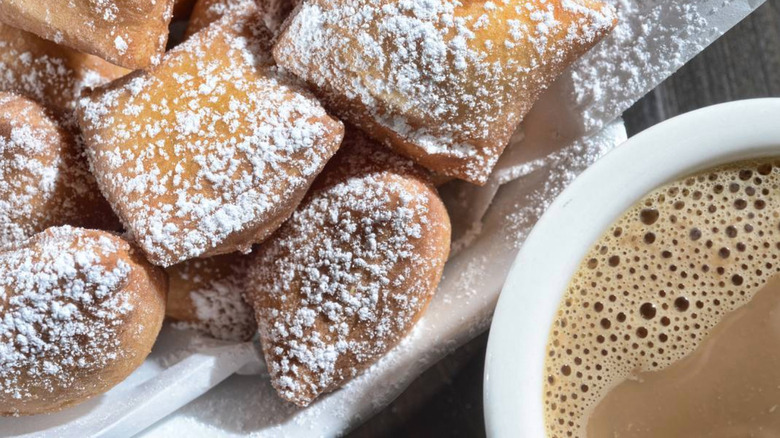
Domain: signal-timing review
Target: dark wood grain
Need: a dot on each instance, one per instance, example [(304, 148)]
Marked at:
[(743, 64), (446, 401)]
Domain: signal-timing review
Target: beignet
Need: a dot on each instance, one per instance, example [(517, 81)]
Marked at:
[(44, 178), (51, 74), (442, 82), (211, 150), (129, 33), (79, 311), (207, 295), (272, 12), (347, 277)]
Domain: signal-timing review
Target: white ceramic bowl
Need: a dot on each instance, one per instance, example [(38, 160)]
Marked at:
[(678, 147)]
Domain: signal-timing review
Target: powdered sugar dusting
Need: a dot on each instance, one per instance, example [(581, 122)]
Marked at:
[(120, 44), (50, 74), (62, 304), (43, 179), (346, 277), (128, 33), (207, 295), (212, 149), (431, 78), (654, 39)]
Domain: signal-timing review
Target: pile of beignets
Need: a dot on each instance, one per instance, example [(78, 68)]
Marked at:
[(270, 174)]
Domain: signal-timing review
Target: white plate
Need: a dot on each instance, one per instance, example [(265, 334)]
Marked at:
[(549, 256)]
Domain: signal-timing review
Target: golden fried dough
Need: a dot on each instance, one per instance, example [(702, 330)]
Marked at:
[(79, 311), (272, 12), (44, 179), (442, 82), (51, 74), (206, 294), (210, 151), (129, 33), (347, 277)]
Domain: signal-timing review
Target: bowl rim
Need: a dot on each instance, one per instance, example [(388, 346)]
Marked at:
[(686, 144)]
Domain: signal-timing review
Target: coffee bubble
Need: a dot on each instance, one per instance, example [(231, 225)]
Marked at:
[(658, 281)]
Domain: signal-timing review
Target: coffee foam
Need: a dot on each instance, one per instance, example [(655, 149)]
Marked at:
[(657, 282)]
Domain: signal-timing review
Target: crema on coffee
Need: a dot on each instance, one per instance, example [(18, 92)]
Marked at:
[(648, 340)]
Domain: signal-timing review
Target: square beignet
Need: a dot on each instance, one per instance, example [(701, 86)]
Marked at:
[(51, 74), (442, 82), (129, 33), (352, 271), (210, 151)]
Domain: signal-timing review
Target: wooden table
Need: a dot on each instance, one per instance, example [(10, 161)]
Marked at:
[(743, 64)]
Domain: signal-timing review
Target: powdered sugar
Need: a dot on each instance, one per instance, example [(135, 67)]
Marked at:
[(209, 151), (120, 44), (427, 78), (52, 75), (62, 306), (128, 33), (654, 39), (43, 180), (206, 294), (346, 277)]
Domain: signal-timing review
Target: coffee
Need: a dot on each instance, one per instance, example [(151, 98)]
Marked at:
[(728, 387), (637, 344)]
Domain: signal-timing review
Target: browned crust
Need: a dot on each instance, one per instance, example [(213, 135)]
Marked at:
[(143, 24), (75, 198), (181, 61), (430, 254), (334, 74)]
